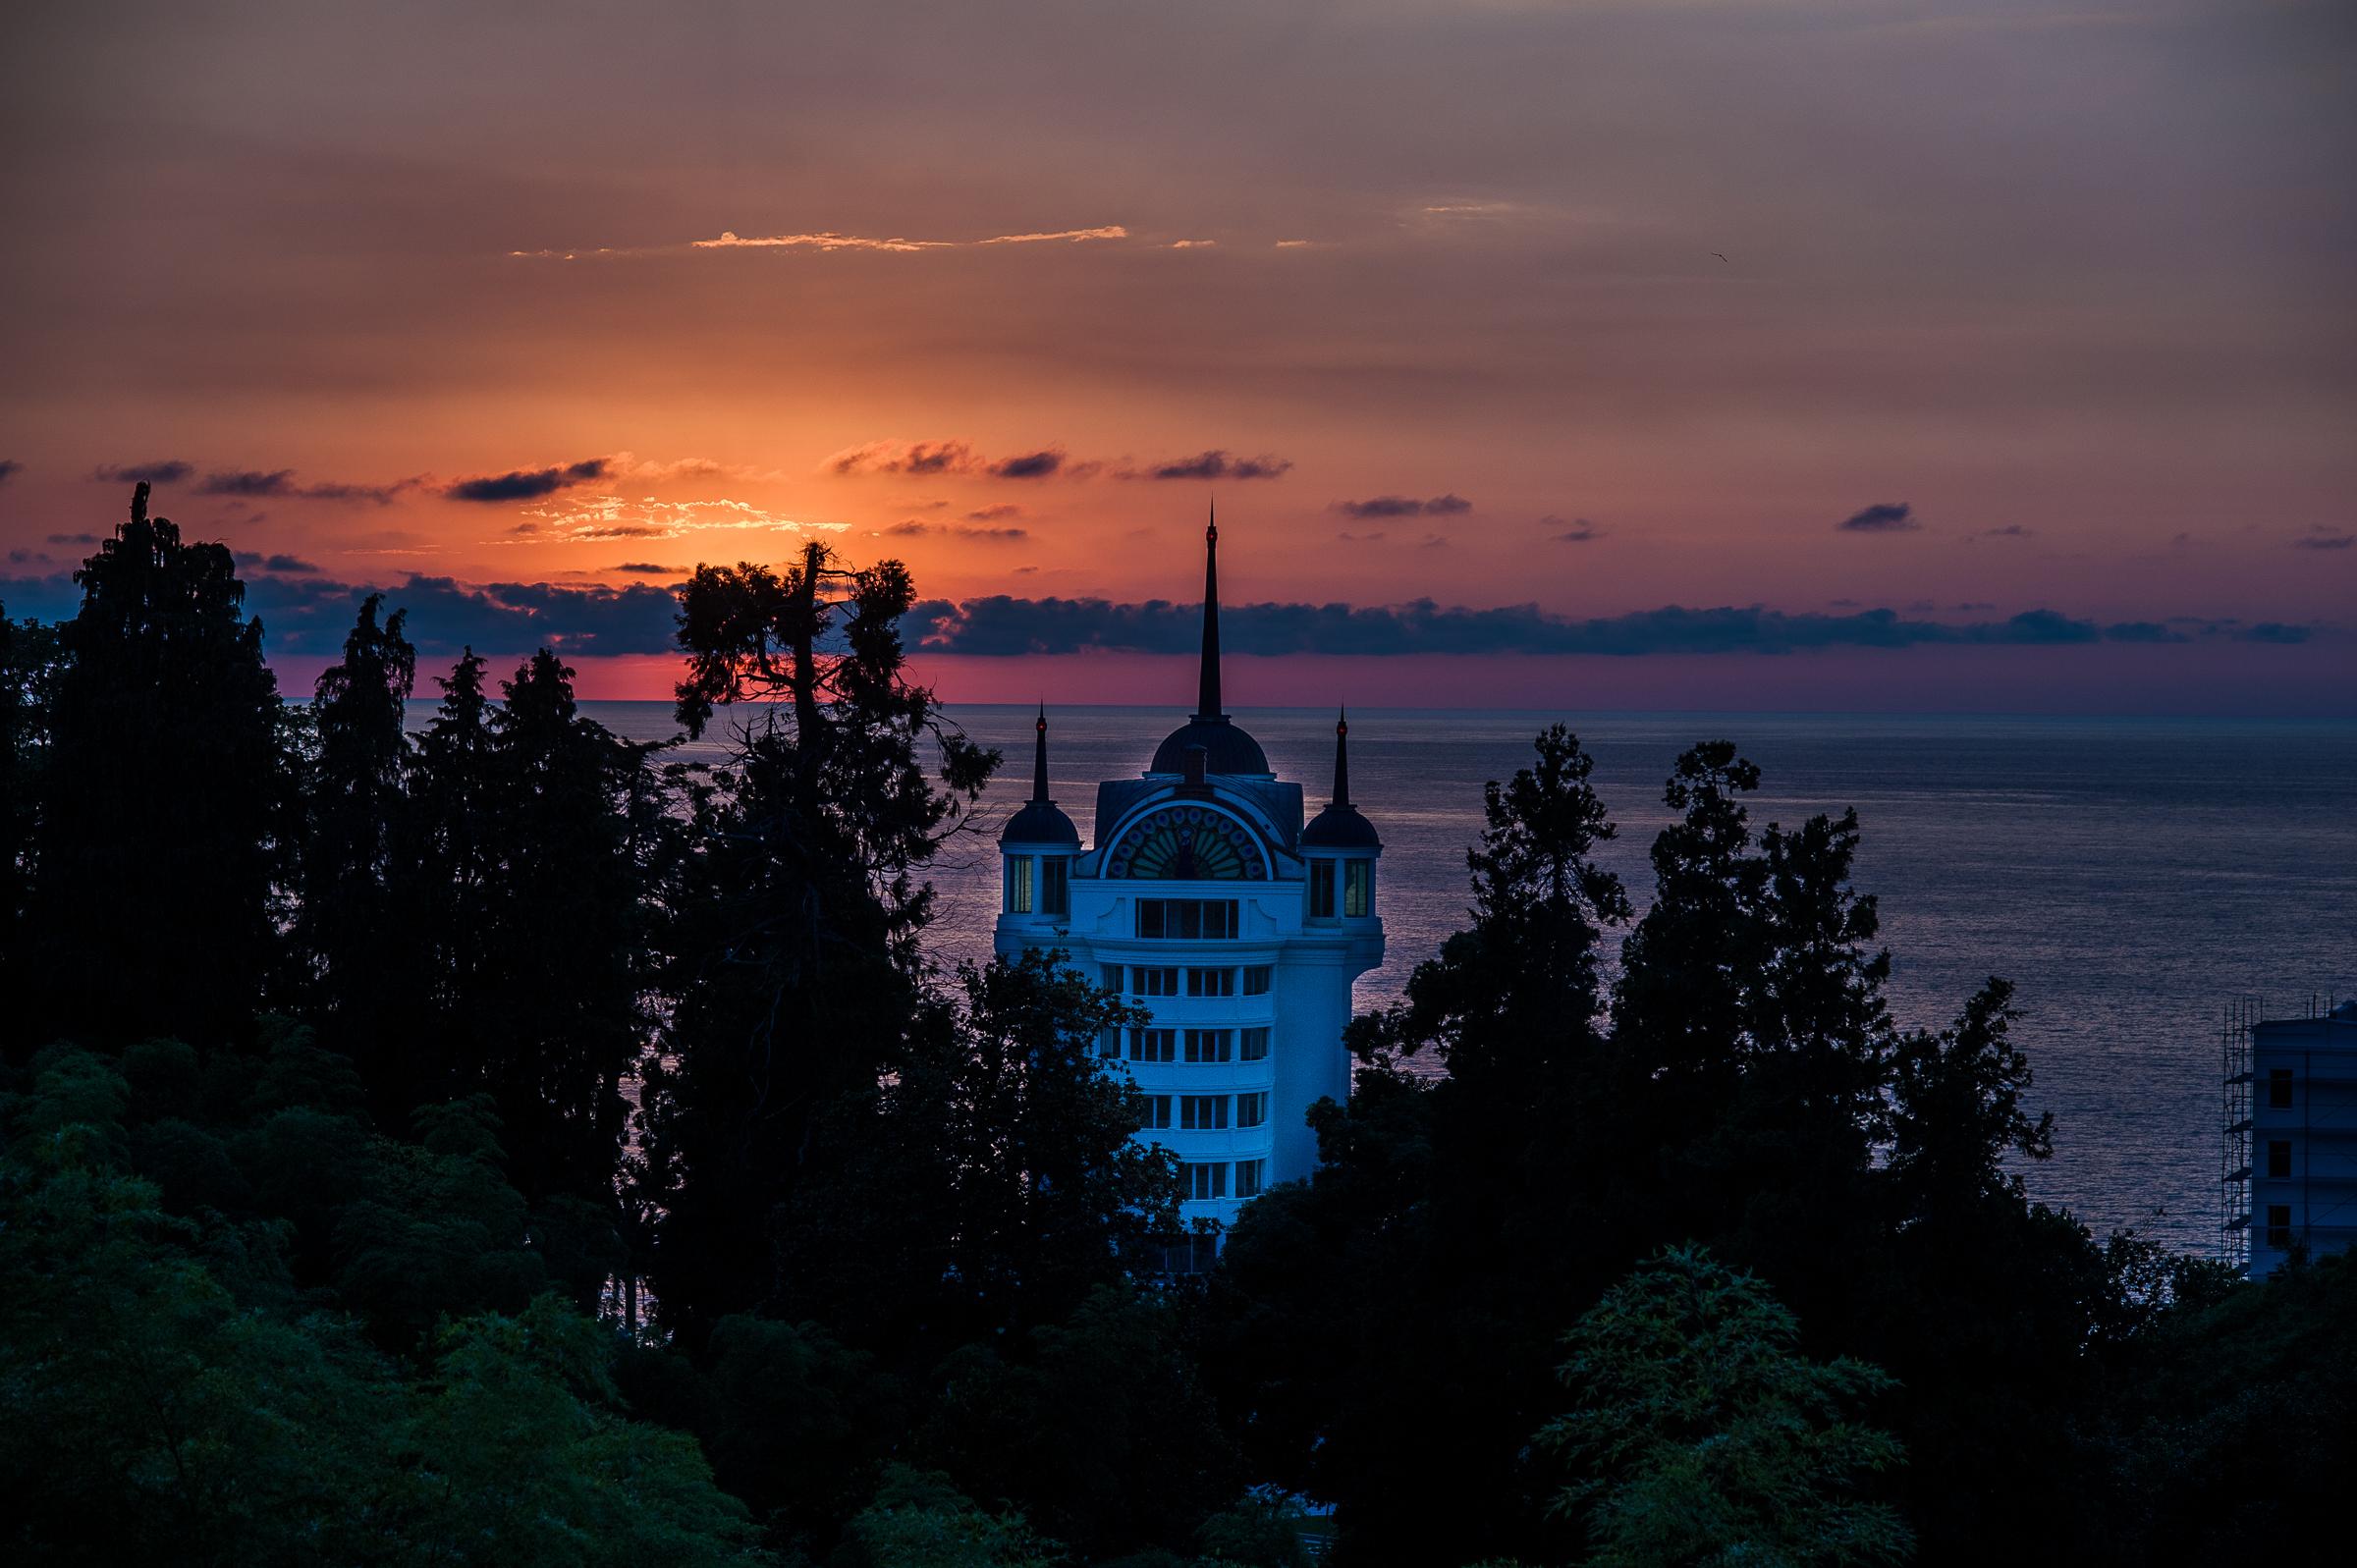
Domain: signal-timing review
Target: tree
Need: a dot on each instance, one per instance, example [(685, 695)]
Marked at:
[(793, 975), (1699, 1433), (27, 681), (358, 935), (919, 1520), (164, 794), (554, 1015), (990, 1179)]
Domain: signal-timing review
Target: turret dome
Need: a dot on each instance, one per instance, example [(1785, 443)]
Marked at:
[(1340, 825), (1040, 822)]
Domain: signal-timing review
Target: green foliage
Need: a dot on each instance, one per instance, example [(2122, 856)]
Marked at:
[(1095, 1425), (919, 1520), (151, 1414), (1699, 1433)]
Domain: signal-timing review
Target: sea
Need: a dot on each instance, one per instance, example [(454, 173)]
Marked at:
[(2130, 875)]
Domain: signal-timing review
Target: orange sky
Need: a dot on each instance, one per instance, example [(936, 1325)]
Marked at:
[(2071, 289)]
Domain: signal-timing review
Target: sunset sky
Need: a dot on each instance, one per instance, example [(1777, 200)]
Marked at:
[(1967, 354)]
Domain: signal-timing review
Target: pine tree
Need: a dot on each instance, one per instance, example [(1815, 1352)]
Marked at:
[(356, 934), (165, 800)]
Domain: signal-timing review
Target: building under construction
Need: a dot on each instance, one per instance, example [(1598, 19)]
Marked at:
[(2290, 1171)]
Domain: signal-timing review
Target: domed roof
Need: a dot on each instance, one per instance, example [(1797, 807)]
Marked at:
[(1339, 827), (1040, 823), (1227, 748)]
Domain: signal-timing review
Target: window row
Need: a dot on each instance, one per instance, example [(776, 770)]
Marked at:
[(1194, 1044), (1200, 1182), (1187, 919), (1172, 981), (1039, 885), (1206, 1113)]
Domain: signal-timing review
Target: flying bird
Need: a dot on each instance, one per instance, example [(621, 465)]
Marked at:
[(1722, 255)]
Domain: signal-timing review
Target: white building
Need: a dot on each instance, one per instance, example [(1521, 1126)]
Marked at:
[(1208, 903), (2297, 1136)]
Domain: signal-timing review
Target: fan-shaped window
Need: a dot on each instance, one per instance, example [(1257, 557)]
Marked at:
[(1188, 844)]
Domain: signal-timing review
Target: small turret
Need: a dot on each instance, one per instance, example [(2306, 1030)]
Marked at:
[(1039, 821), (1339, 826)]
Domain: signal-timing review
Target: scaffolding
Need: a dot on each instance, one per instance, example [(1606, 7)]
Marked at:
[(2234, 1149)]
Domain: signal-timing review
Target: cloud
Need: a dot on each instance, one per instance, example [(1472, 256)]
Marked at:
[(527, 484), (1192, 244), (258, 561), (828, 240), (1028, 466), (31, 558), (1578, 531), (612, 516), (1403, 507), (2012, 530), (9, 469), (253, 484), (914, 530), (1884, 516), (1217, 463), (163, 471), (648, 568), (246, 482), (997, 513), (1006, 627), (1367, 538), (895, 457), (73, 538), (2321, 537)]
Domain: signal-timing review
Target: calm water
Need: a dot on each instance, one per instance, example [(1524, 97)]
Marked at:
[(2128, 874)]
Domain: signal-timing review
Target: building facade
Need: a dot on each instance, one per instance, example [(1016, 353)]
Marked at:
[(1237, 926), (2295, 1141)]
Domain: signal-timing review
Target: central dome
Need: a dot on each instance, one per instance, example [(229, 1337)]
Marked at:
[(1227, 748)]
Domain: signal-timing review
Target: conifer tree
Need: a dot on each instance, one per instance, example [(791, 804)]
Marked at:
[(165, 798), (358, 935), (28, 677)]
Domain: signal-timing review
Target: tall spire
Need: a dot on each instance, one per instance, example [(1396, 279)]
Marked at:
[(1039, 760), (1341, 757), (1207, 697)]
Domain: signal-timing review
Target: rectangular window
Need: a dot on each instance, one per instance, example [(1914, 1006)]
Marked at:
[(1109, 1043), (1208, 1045), (1250, 1175), (1210, 982), (1256, 1045), (2279, 1087), (1187, 919), (1153, 1044), (1158, 1111), (1358, 889), (1202, 1112), (1251, 1110), (1154, 982), (2279, 1224), (2278, 1157), (1055, 885), (1256, 980), (1019, 884), (1321, 889), (1203, 1181)]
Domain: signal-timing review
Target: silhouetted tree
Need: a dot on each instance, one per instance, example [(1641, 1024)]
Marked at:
[(165, 801), (28, 679), (794, 968), (358, 934)]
